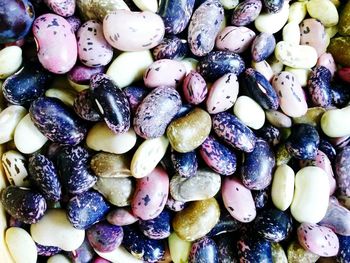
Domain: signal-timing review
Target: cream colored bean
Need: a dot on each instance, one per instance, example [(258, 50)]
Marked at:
[(101, 138), (264, 68), (302, 74), (249, 112), (291, 33), (190, 64), (282, 190), (28, 138), (331, 31), (296, 56), (147, 5), (147, 156), (67, 96), (334, 124), (278, 119), (59, 258), (10, 60), (311, 195), (14, 165), (77, 87), (119, 255), (323, 10), (9, 118), (297, 12), (179, 249), (312, 116), (21, 245), (229, 4), (272, 22), (129, 67), (54, 229)]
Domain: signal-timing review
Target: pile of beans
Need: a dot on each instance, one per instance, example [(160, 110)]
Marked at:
[(211, 131)]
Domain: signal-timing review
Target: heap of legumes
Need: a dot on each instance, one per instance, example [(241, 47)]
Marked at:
[(200, 131)]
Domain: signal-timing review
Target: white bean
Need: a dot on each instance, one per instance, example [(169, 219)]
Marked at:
[(9, 118), (10, 60)]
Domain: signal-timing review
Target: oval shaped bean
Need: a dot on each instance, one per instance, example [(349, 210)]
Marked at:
[(272, 22), (110, 165), (249, 112), (207, 185), (111, 103), (296, 56), (312, 33), (57, 122), (194, 88), (105, 237), (101, 138), (263, 46), (204, 26), (164, 72), (179, 248), (282, 190), (188, 132), (342, 163), (10, 61), (197, 219), (21, 245), (147, 156), (133, 31), (291, 96), (157, 228), (171, 47), (56, 43), (324, 11), (230, 129), (235, 39), (217, 63), (222, 94), (121, 217), (319, 86), (150, 195), (291, 33), (63, 8), (233, 191), (185, 164), (311, 195), (203, 249), (93, 49), (246, 12)]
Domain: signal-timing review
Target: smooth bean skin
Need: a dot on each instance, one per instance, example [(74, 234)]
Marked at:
[(185, 164), (342, 163), (273, 6), (256, 173), (79, 76), (197, 219), (15, 168), (151, 193), (157, 228), (56, 42), (188, 132), (207, 185), (194, 88), (312, 33), (156, 111), (171, 47), (218, 63), (105, 237), (28, 84), (217, 156), (17, 19), (56, 121), (62, 8), (133, 31), (222, 94), (259, 88), (273, 224), (303, 142), (111, 103), (311, 196), (145, 249), (319, 86), (44, 174), (246, 12), (226, 224), (205, 250), (232, 191), (204, 26), (282, 190), (84, 106), (23, 204), (86, 209), (320, 240), (72, 166), (260, 249), (176, 15), (263, 46), (235, 39), (121, 217), (233, 132)]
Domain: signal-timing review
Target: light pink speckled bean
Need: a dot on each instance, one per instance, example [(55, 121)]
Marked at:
[(194, 88), (320, 240), (238, 200), (326, 60), (151, 194), (56, 43), (164, 72), (235, 39)]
